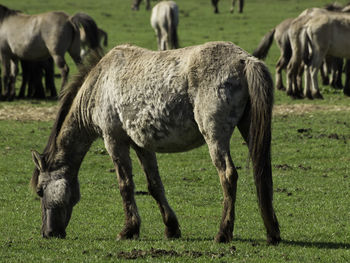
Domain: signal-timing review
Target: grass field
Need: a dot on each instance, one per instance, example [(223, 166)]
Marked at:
[(310, 159)]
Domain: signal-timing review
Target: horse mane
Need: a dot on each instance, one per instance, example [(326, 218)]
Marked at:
[(6, 12), (67, 96)]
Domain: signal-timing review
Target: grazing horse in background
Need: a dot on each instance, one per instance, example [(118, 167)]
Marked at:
[(168, 101), (37, 37), (216, 9), (164, 20), (326, 34)]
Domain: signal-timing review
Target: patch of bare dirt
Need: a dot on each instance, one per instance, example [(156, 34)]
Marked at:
[(27, 113), (300, 109), (30, 113)]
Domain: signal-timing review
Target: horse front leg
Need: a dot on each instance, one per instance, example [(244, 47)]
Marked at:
[(120, 154), (149, 165)]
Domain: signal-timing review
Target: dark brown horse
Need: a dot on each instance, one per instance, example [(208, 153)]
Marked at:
[(160, 101)]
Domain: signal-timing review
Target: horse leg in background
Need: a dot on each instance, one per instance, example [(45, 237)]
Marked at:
[(164, 44), (299, 87), (314, 67), (337, 71), (241, 4), (25, 78), (148, 5), (149, 165), (346, 89), (10, 71), (120, 154), (215, 5), (63, 67), (48, 67), (136, 5), (35, 80), (307, 86)]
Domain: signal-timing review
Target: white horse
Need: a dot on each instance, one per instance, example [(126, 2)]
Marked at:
[(164, 20)]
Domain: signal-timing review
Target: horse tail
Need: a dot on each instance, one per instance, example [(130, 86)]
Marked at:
[(260, 88), (103, 34), (89, 26), (172, 27), (305, 39), (264, 45)]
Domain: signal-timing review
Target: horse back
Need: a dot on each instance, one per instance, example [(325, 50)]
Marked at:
[(153, 96), (34, 35)]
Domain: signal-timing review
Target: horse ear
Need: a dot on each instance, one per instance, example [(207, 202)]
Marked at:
[(38, 161)]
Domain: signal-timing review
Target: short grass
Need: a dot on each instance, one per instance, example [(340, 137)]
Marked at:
[(311, 165)]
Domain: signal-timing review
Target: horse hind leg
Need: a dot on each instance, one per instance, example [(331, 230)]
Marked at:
[(155, 187), (120, 154)]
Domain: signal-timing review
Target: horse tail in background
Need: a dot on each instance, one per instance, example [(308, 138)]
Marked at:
[(103, 34), (260, 87), (172, 27), (307, 43), (264, 45), (89, 26)]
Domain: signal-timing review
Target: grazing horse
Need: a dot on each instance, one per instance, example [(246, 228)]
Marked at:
[(216, 9), (168, 101), (326, 34), (164, 20), (37, 37)]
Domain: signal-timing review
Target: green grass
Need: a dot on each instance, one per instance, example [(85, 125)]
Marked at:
[(311, 165)]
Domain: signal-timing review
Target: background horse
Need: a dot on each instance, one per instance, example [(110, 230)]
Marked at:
[(164, 20), (37, 37), (326, 34), (169, 101), (216, 9)]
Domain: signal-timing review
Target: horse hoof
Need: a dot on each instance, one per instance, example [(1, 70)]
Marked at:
[(346, 92), (172, 233), (222, 238), (317, 96), (281, 88), (273, 240)]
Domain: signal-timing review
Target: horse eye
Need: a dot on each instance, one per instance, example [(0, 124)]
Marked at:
[(40, 191)]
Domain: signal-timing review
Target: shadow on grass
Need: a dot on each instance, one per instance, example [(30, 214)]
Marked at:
[(323, 245)]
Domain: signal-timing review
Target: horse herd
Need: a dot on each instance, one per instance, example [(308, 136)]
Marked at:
[(151, 101), (316, 40)]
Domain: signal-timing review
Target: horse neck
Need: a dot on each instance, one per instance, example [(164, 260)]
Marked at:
[(73, 142)]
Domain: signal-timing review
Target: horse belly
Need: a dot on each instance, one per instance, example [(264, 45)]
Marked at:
[(167, 128), (168, 139)]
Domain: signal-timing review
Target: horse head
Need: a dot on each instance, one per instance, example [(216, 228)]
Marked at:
[(58, 192)]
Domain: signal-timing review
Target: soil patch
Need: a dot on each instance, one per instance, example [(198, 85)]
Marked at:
[(30, 113)]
